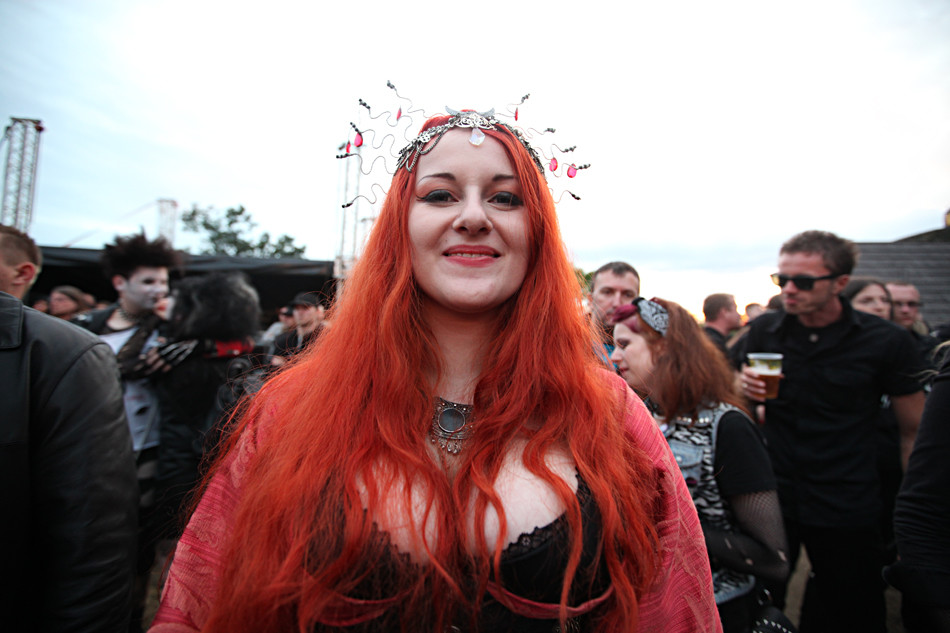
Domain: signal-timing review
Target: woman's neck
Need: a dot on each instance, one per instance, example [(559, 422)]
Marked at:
[(462, 342)]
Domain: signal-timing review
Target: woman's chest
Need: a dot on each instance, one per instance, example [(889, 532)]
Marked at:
[(410, 516)]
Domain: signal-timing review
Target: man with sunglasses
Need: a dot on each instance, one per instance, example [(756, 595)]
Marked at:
[(838, 362)]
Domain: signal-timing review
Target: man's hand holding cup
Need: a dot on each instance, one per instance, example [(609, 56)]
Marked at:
[(760, 378)]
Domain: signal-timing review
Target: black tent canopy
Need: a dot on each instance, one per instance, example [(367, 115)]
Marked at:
[(276, 280)]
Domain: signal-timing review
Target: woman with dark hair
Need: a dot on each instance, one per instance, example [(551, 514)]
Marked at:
[(450, 455), (212, 324), (869, 295), (67, 302), (666, 358)]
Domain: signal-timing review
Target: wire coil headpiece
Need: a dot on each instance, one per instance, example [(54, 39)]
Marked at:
[(546, 161)]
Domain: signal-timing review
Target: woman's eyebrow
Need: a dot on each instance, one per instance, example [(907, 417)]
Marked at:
[(445, 175), (451, 176)]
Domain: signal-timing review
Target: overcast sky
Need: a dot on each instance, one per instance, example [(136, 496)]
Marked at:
[(714, 130)]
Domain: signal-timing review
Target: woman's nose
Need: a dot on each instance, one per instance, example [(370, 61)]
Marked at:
[(472, 217)]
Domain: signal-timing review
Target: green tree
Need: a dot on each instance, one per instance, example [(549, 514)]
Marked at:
[(583, 278), (230, 234)]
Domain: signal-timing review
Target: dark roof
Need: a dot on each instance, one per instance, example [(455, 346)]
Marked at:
[(277, 280), (937, 235), (924, 263)]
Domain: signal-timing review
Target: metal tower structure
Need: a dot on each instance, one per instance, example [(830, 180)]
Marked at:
[(167, 219), (350, 186), (19, 175)]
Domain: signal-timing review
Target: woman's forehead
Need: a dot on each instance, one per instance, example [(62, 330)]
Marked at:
[(454, 152)]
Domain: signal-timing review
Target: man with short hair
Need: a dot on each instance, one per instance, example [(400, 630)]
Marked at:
[(905, 299), (138, 269), (308, 315), (611, 286), (753, 311), (822, 427), (20, 261), (722, 318), (69, 490)]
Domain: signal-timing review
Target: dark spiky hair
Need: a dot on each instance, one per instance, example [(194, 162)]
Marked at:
[(136, 251)]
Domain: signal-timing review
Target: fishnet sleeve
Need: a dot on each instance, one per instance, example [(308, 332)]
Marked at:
[(760, 548)]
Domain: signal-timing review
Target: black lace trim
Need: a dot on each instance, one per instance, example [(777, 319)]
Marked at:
[(527, 543), (541, 537)]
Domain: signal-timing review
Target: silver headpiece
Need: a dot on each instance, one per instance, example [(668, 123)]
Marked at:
[(477, 121), (367, 145)]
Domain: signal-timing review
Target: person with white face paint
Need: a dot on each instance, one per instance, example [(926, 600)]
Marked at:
[(138, 269)]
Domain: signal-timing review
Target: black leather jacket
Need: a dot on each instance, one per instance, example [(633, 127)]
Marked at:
[(68, 492)]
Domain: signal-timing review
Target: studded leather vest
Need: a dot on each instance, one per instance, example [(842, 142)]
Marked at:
[(694, 447)]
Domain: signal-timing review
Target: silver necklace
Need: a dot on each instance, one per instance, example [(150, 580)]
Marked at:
[(451, 425)]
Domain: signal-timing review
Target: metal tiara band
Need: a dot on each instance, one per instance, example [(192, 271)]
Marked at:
[(477, 121), (653, 314), (451, 425)]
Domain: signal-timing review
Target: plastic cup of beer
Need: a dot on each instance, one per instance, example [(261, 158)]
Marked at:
[(769, 368)]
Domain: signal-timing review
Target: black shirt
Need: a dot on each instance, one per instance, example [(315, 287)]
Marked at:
[(742, 461), (926, 345), (820, 429), (922, 514), (718, 339), (289, 343)]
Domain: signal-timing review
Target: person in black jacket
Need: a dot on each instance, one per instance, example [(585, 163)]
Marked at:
[(922, 519), (68, 528), (68, 491)]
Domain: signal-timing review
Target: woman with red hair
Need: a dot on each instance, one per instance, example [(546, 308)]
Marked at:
[(665, 357), (448, 456)]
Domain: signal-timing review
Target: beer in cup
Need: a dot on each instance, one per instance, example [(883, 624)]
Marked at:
[(769, 368)]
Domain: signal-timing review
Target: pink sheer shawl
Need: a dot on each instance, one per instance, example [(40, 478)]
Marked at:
[(681, 599)]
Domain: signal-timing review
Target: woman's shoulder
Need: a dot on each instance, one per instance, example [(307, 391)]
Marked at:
[(637, 419), (610, 377), (734, 420)]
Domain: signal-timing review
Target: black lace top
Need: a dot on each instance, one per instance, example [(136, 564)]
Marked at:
[(532, 568)]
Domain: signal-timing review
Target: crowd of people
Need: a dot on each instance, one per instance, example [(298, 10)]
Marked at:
[(465, 440)]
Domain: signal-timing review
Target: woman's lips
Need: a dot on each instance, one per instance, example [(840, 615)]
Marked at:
[(471, 251), (472, 255)]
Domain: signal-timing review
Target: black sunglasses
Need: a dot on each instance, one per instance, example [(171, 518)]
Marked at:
[(802, 282)]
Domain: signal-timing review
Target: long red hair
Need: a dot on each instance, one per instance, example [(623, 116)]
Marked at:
[(346, 426), (689, 371)]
